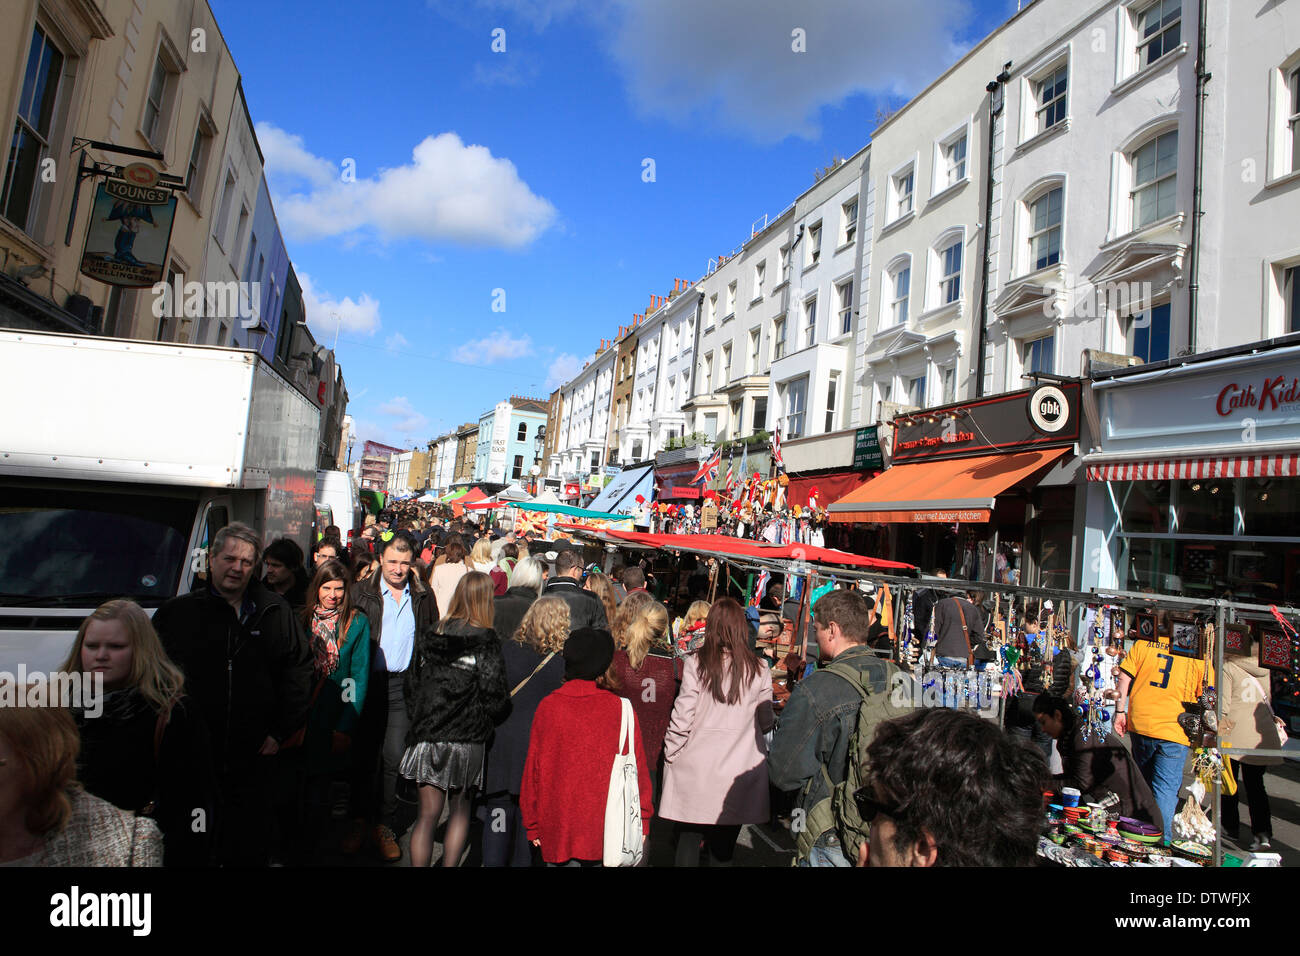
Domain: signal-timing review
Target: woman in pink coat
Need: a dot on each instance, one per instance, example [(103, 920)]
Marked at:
[(715, 756)]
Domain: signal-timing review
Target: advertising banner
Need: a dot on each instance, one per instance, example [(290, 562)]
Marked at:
[(129, 233)]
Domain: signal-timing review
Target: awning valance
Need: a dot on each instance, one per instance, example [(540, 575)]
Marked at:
[(1286, 465), (951, 490)]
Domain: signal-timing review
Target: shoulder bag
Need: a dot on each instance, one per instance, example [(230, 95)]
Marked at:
[(623, 831)]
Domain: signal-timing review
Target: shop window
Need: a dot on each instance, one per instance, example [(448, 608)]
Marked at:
[(1145, 506), (1205, 506), (1269, 505)]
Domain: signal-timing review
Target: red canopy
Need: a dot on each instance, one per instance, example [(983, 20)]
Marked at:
[(742, 547), (474, 494)]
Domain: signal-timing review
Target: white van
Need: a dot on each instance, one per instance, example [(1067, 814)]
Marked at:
[(336, 491)]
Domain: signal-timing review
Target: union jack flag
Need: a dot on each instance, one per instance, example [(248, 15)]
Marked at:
[(709, 468), (776, 450)]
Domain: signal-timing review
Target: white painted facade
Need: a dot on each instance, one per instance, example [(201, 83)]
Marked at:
[(584, 420)]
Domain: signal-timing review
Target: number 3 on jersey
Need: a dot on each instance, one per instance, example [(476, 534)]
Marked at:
[(1164, 671)]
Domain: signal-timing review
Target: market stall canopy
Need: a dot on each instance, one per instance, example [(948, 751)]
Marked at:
[(951, 490), (547, 497), (474, 494), (512, 493), (428, 499), (569, 510), (453, 495), (829, 487), (726, 546), (620, 494)]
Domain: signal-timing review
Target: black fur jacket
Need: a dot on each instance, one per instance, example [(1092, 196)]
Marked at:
[(456, 691)]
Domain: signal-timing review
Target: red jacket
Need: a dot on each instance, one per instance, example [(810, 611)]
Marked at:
[(566, 776)]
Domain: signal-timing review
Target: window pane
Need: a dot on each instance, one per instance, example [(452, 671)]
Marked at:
[(1144, 164), (1205, 506), (1167, 153), (20, 176), (1144, 506), (1292, 290)]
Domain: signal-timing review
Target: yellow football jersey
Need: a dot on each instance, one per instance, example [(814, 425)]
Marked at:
[(1162, 683)]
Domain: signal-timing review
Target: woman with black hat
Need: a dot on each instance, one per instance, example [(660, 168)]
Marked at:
[(571, 752)]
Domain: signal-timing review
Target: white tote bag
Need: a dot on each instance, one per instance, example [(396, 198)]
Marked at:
[(623, 837)]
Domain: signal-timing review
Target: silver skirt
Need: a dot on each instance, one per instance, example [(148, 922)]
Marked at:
[(447, 766)]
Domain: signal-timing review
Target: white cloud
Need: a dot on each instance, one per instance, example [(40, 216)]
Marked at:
[(449, 191), (497, 347), (562, 369), (324, 312), (396, 341), (286, 157), (731, 63), (405, 419)]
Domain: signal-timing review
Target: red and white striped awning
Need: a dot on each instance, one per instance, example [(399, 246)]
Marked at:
[(1240, 466)]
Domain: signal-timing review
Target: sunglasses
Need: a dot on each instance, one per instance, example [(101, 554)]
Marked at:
[(869, 807)]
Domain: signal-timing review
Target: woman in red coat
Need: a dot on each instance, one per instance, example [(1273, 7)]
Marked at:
[(570, 757)]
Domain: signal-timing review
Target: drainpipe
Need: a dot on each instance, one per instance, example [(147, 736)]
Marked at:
[(994, 89), (1194, 266)]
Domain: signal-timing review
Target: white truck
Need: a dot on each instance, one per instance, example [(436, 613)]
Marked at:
[(119, 461)]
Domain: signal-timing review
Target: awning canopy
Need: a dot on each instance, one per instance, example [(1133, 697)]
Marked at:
[(830, 487), (726, 546), (453, 495), (955, 489), (1285, 465)]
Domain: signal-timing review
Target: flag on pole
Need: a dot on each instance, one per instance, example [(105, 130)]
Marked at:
[(709, 468), (730, 483), (760, 588), (776, 450)]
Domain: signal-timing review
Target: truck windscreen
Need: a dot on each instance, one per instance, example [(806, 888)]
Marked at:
[(82, 548)]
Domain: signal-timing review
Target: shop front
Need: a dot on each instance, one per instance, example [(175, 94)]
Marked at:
[(984, 490), (1194, 486), (825, 468)]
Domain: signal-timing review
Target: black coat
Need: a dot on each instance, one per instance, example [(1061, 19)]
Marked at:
[(509, 610), (585, 609), (509, 748), (456, 689), (368, 600), (118, 763), (249, 680)]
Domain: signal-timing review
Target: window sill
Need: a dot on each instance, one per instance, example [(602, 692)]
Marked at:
[(1055, 270), (728, 317), (897, 223), (1283, 180), (755, 301), (810, 266), (1175, 222), (780, 285), (38, 252), (949, 310), (1128, 83), (843, 246), (950, 188), (1043, 135)]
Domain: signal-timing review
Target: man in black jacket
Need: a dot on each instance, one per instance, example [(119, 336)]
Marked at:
[(248, 669), (585, 609), (401, 610)]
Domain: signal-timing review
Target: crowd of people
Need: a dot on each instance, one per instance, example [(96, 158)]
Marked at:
[(482, 674)]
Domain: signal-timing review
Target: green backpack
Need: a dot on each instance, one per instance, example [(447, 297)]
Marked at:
[(839, 811)]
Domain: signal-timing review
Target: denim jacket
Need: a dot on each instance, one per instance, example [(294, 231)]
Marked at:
[(816, 725)]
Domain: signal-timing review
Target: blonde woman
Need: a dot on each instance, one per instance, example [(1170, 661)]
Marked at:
[(446, 576), (46, 818), (689, 630), (643, 664), (481, 560), (534, 668), (601, 586), (148, 751)]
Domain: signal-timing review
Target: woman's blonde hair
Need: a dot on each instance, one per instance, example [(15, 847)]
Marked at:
[(153, 674), (698, 611), (45, 744), (603, 588), (641, 623), (545, 627), (482, 553)]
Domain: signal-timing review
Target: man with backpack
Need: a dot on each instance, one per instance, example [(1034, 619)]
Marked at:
[(826, 725)]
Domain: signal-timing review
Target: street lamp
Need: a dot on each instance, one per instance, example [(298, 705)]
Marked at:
[(539, 441)]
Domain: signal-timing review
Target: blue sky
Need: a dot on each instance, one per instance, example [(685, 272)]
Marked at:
[(475, 170)]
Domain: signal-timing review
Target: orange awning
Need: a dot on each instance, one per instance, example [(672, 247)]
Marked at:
[(952, 490)]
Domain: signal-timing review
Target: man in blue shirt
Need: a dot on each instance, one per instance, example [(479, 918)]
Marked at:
[(400, 608)]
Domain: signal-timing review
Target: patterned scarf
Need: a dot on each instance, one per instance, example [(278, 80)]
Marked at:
[(325, 640)]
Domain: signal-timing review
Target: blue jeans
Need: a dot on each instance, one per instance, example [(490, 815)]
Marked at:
[(821, 855), (1162, 763)]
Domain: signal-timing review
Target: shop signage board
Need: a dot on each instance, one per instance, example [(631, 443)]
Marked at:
[(130, 230), (681, 491), (866, 449), (709, 515), (996, 424)]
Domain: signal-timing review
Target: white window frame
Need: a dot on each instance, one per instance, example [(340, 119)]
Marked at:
[(948, 384), (832, 401), (789, 390), (713, 312), (809, 323), (944, 175), (1029, 263), (755, 350), (1145, 40), (760, 276), (813, 245), (918, 400), (724, 367), (849, 218), (902, 203), (1135, 189), (895, 308), (780, 331), (731, 300), (50, 143), (221, 221), (1130, 327), (1130, 43), (844, 292), (940, 279), (1041, 107), (173, 65), (1284, 121), (1027, 343)]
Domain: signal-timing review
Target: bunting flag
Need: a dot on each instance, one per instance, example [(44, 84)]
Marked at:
[(709, 468), (776, 450)]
